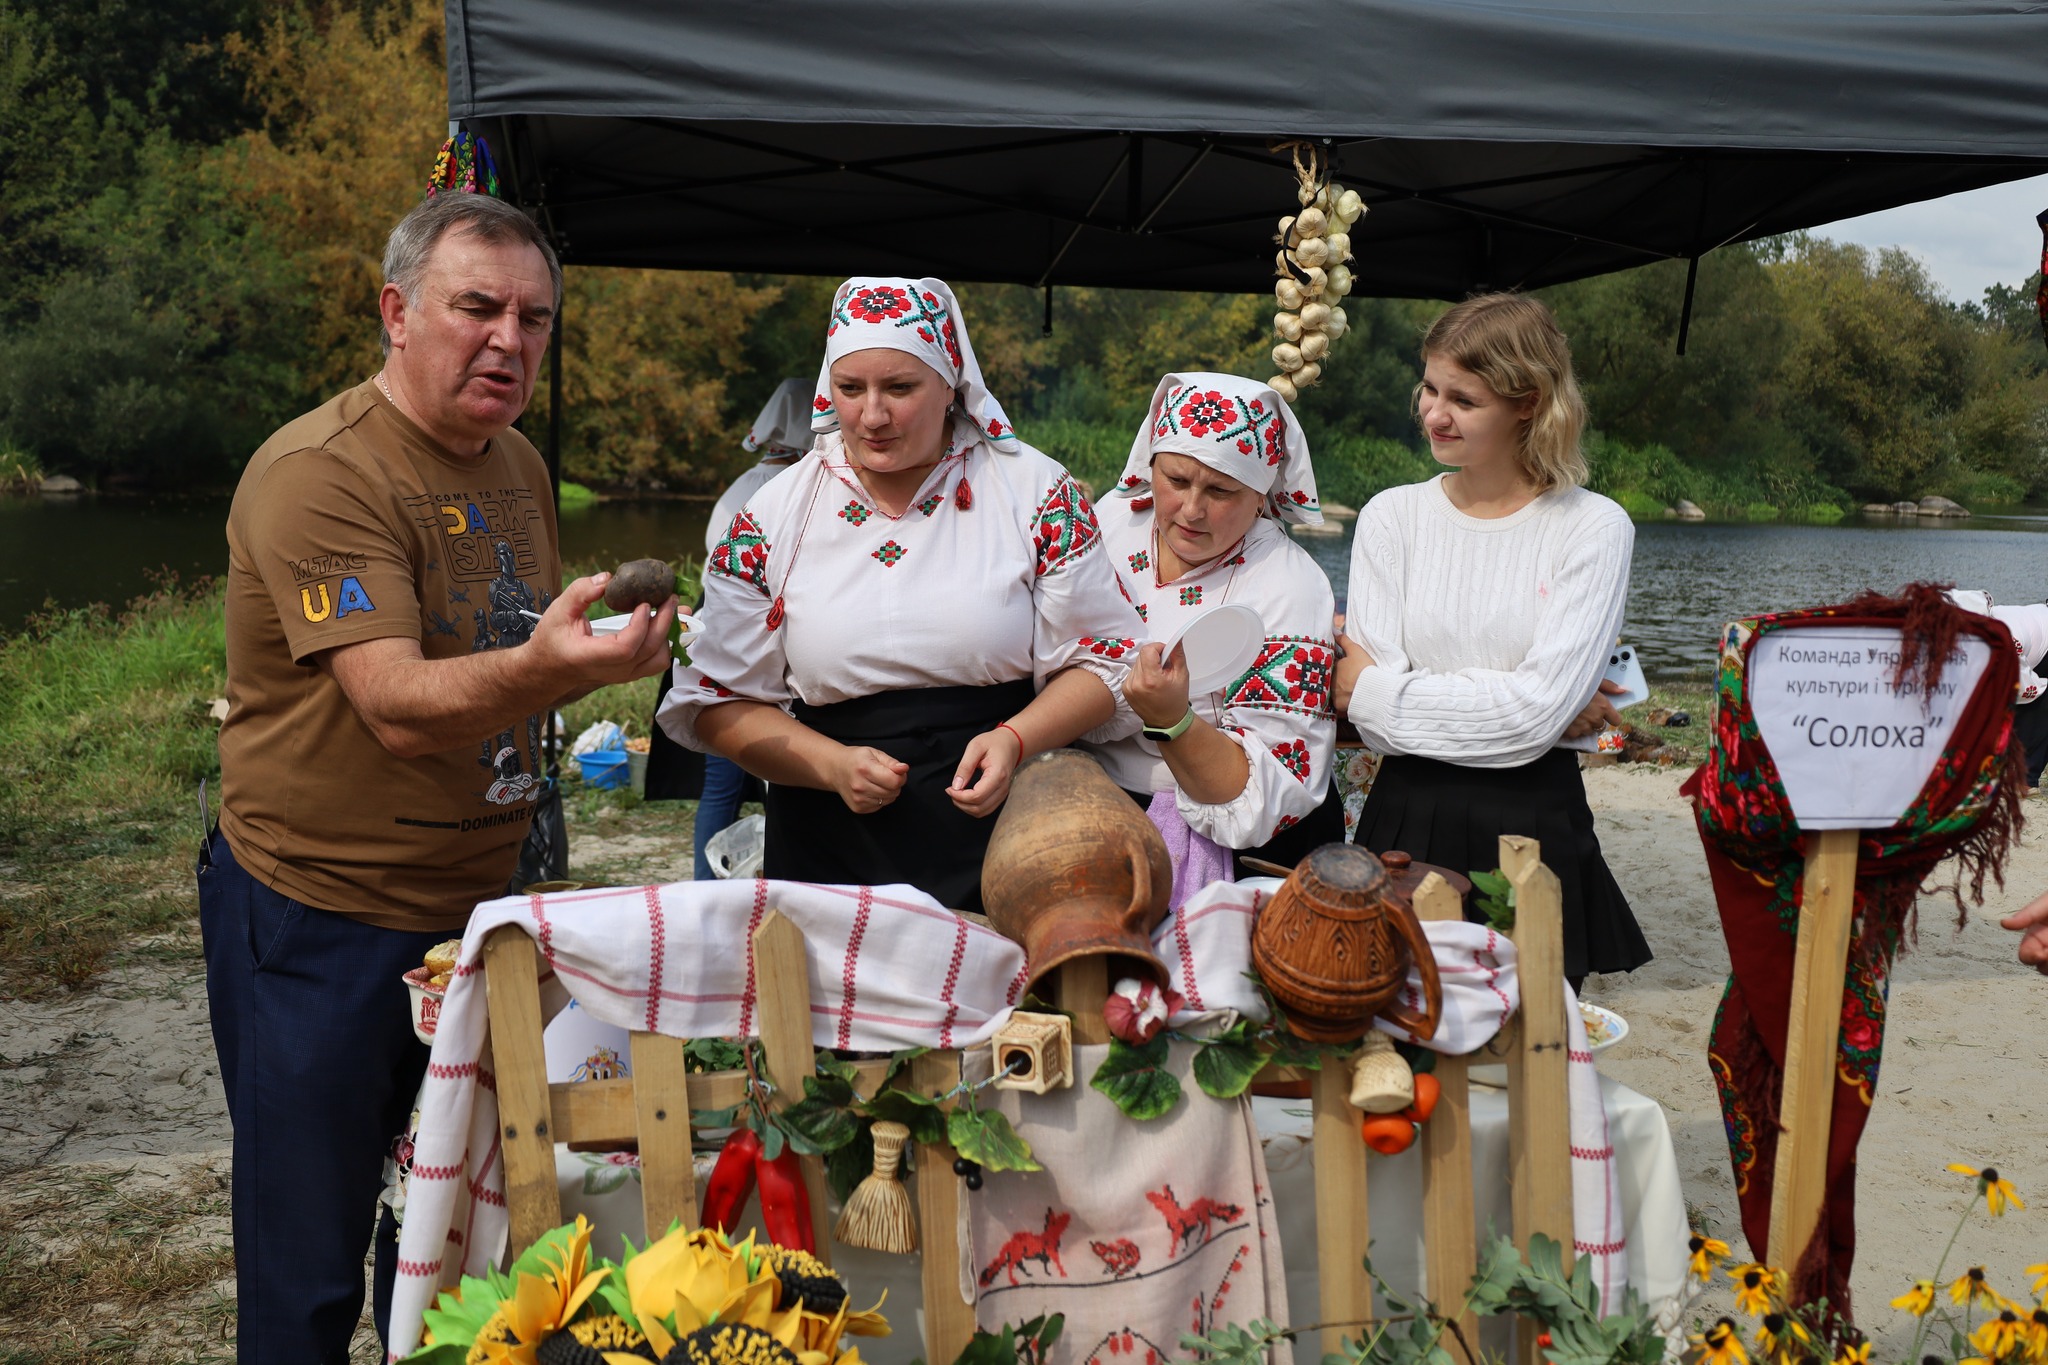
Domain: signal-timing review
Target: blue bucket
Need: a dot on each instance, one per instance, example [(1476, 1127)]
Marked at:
[(604, 769)]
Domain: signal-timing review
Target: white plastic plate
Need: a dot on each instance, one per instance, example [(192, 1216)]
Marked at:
[(1221, 644)]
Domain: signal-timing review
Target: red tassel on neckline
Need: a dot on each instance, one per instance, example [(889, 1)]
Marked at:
[(963, 496), (775, 614)]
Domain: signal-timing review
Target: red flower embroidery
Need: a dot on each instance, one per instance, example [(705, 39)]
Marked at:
[(1287, 822), (1308, 675), (822, 403), (1207, 412), (995, 427), (1108, 648), (879, 303), (1294, 758), (714, 687)]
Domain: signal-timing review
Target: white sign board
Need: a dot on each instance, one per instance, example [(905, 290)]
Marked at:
[(1853, 750)]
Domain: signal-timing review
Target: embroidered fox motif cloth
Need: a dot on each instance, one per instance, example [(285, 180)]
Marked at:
[(1137, 1232)]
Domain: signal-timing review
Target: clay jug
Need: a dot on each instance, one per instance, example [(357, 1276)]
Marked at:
[(1336, 944), (1074, 868)]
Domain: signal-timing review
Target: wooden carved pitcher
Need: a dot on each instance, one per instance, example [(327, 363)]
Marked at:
[(1075, 868), (1336, 944)]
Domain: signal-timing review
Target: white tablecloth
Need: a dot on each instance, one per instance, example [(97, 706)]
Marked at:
[(1653, 1209)]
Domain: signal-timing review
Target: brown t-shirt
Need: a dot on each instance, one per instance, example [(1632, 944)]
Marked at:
[(352, 524)]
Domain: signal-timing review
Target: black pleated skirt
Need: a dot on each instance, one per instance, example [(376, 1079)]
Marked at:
[(921, 837), (1454, 816)]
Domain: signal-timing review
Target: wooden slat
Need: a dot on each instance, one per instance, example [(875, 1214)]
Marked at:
[(783, 984), (1539, 1110), (1079, 987), (601, 1112), (948, 1319), (661, 1102), (1343, 1230), (1826, 908), (512, 993), (1450, 1248)]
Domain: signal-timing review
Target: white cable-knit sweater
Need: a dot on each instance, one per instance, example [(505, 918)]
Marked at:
[(1488, 636)]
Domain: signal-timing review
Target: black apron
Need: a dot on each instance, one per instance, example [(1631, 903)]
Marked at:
[(921, 837), (1453, 816)]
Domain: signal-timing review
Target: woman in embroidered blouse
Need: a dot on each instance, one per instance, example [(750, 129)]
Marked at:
[(904, 615), (1483, 606), (1197, 520)]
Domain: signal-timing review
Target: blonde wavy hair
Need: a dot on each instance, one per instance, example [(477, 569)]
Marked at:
[(1513, 342)]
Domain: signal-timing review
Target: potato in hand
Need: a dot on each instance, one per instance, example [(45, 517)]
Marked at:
[(640, 582)]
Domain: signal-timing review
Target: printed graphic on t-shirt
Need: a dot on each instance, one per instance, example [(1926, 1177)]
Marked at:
[(501, 625), (477, 528)]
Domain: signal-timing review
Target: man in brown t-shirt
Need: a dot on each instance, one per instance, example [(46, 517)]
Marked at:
[(381, 758)]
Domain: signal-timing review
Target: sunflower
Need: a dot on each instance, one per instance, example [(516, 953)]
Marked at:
[(690, 1280), (1780, 1337), (729, 1343), (1859, 1354), (1756, 1286), (1972, 1287), (605, 1340), (1707, 1252), (1721, 1344), (1997, 1191), (821, 1297), (2000, 1336), (1918, 1299), (506, 1315)]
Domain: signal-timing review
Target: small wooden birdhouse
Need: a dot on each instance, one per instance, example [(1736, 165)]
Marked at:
[(1037, 1050)]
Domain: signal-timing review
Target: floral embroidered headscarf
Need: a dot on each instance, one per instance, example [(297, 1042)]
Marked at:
[(784, 426), (1237, 427), (920, 318)]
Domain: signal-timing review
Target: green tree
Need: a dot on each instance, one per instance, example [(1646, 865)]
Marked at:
[(46, 161)]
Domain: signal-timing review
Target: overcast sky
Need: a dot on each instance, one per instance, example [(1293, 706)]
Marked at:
[(1968, 241)]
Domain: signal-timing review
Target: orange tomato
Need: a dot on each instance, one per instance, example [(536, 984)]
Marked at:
[(1428, 1089), (1388, 1134)]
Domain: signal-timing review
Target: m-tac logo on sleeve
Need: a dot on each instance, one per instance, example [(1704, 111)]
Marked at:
[(318, 605)]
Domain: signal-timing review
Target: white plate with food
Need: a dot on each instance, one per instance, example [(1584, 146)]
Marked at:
[(1221, 643), (688, 628), (1604, 1028)]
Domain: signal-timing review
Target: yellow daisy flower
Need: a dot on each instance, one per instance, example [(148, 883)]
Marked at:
[(1707, 1253), (1721, 1344), (1918, 1299), (2040, 1274), (1997, 1191), (1780, 1338), (1756, 1285), (1858, 1354), (2000, 1336), (1972, 1287), (2035, 1332)]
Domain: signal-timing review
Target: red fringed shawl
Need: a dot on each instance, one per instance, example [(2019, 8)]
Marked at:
[(1969, 807)]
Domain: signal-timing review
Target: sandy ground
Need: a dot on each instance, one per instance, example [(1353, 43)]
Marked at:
[(1965, 1073), (123, 1076)]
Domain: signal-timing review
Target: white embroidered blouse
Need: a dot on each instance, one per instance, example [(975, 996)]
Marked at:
[(995, 573), (1278, 711)]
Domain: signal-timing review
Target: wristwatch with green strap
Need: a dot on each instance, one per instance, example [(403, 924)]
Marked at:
[(1172, 732)]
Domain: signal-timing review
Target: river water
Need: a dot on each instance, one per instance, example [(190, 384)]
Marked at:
[(1687, 578)]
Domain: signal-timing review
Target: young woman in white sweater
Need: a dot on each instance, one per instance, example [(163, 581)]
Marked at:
[(1483, 605)]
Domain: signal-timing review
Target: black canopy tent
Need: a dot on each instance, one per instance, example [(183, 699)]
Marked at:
[(1136, 143), (1131, 142)]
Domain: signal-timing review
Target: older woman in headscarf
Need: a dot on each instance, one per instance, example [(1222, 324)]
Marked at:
[(1198, 520), (903, 615)]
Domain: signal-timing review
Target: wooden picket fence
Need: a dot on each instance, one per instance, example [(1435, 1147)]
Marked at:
[(652, 1108)]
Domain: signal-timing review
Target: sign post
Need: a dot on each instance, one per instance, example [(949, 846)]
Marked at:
[(1853, 748)]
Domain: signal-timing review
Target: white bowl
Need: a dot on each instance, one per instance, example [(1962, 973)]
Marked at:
[(1221, 643), (1604, 1028), (426, 1004), (692, 627)]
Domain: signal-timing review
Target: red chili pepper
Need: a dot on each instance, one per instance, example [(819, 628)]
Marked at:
[(785, 1202), (732, 1180)]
